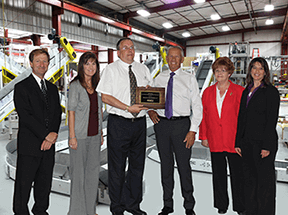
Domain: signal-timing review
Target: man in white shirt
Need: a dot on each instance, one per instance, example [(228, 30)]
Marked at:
[(126, 129), (175, 130)]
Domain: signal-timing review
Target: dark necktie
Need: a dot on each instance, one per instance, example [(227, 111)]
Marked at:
[(133, 85), (169, 94), (44, 91)]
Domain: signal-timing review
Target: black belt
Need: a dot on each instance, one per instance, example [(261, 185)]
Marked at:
[(174, 117), (128, 119)]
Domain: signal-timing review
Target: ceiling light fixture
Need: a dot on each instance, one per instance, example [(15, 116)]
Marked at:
[(225, 28), (269, 22), (215, 16), (199, 1), (143, 13), (269, 7), (186, 34), (167, 25)]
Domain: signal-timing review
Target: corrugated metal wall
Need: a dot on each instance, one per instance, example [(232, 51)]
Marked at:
[(38, 19)]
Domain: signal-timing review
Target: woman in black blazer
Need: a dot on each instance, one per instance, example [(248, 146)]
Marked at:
[(257, 139)]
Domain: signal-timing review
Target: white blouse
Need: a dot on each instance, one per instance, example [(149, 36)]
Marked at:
[(219, 100)]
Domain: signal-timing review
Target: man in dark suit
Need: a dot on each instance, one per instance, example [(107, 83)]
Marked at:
[(38, 107)]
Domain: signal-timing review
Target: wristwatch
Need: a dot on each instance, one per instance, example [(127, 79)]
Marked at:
[(126, 110)]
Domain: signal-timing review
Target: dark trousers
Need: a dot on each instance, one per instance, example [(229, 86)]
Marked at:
[(219, 171), (125, 139), (31, 169), (170, 135), (260, 180)]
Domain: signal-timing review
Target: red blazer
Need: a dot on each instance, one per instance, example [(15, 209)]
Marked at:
[(220, 132)]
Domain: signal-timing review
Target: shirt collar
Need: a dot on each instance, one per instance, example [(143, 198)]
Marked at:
[(38, 80), (252, 84), (125, 64), (176, 72)]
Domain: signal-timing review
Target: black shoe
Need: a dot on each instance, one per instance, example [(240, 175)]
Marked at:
[(242, 213), (117, 213), (220, 211), (136, 212), (190, 212), (166, 210)]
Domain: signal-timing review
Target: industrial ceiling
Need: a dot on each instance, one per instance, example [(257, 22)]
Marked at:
[(194, 19)]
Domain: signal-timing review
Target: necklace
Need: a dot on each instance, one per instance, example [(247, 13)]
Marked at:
[(89, 88)]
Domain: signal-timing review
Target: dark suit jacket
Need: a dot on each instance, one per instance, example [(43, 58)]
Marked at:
[(31, 108), (258, 121)]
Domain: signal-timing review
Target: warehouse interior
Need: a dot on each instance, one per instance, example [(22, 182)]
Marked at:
[(205, 29)]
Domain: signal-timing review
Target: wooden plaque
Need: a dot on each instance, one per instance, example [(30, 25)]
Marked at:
[(153, 97)]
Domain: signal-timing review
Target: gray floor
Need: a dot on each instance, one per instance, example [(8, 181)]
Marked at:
[(152, 202)]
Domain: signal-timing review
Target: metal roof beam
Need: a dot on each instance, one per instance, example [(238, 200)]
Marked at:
[(165, 7), (259, 28), (279, 12), (93, 15)]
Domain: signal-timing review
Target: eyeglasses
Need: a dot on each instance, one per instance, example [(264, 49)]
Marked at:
[(218, 71), (126, 48)]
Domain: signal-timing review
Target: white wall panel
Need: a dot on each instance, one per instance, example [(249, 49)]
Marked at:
[(266, 49)]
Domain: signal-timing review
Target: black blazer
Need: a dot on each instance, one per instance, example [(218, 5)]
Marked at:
[(31, 108), (258, 121)]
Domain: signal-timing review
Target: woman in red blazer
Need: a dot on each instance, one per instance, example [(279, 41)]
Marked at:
[(218, 130)]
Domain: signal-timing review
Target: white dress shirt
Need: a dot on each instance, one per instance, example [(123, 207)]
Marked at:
[(186, 97), (38, 80), (219, 100), (115, 82)]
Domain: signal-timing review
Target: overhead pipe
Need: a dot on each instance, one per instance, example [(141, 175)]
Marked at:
[(251, 18), (80, 10)]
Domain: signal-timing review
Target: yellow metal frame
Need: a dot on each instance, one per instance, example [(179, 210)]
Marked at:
[(68, 48), (6, 79), (7, 115), (163, 55)]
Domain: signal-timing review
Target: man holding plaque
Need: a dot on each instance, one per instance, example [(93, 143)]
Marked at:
[(175, 130), (126, 129)]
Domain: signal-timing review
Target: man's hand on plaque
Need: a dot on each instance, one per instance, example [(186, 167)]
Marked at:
[(148, 86), (136, 108), (153, 116)]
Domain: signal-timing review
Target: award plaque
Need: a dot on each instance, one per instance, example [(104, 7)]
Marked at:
[(152, 97)]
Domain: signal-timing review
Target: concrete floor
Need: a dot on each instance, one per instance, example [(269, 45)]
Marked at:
[(152, 199)]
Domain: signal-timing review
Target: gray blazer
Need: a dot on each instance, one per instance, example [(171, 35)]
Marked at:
[(79, 102)]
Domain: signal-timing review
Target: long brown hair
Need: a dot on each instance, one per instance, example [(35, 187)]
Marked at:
[(264, 64), (83, 60)]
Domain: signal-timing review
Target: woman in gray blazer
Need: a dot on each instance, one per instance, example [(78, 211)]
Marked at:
[(85, 136)]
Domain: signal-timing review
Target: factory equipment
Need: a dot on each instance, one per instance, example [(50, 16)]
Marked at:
[(13, 73), (156, 61), (239, 54)]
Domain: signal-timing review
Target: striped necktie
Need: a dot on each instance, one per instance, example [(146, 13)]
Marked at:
[(133, 85)]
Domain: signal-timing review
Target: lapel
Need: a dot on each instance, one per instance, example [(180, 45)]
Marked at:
[(256, 94), (49, 90), (214, 101), (36, 87), (226, 101)]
